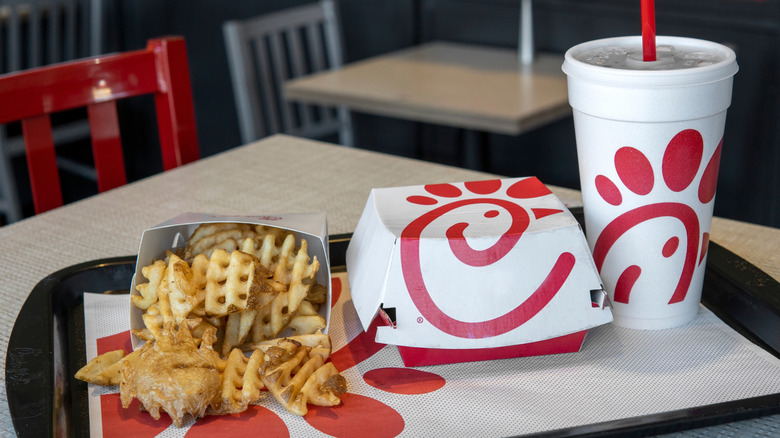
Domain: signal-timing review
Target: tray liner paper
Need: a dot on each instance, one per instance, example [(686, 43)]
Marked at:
[(619, 373)]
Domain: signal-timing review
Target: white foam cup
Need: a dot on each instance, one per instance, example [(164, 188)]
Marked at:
[(649, 145)]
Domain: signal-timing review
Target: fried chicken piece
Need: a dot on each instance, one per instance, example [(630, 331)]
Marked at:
[(174, 375)]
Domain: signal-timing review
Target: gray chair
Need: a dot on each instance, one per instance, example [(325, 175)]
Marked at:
[(35, 33), (265, 51)]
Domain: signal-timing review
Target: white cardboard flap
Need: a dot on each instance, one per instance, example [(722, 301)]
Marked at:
[(369, 261), (174, 233), (472, 265)]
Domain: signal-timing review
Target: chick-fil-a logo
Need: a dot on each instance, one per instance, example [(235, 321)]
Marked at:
[(411, 261), (683, 162)]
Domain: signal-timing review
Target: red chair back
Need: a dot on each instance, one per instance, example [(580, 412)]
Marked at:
[(97, 83)]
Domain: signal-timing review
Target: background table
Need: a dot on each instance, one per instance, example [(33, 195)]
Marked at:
[(279, 174), (466, 86), (477, 88)]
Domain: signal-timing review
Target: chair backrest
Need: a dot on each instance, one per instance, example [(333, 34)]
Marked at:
[(40, 32), (425, 17), (265, 51), (96, 83)]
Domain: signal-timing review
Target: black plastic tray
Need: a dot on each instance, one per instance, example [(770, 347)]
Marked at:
[(46, 346)]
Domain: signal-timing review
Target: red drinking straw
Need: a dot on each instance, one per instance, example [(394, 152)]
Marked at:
[(648, 30)]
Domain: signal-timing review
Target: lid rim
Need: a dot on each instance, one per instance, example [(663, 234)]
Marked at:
[(722, 70)]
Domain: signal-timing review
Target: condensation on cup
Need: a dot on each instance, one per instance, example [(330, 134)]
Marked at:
[(649, 140)]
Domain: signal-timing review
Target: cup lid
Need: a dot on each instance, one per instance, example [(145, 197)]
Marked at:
[(723, 69)]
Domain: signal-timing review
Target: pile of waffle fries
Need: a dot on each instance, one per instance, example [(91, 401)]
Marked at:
[(212, 315)]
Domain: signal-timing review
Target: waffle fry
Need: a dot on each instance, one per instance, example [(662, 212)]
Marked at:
[(153, 321), (199, 267), (271, 320), (234, 282), (317, 294), (98, 370), (325, 386), (149, 290), (178, 294), (212, 236), (307, 320), (267, 245), (295, 377), (302, 276), (113, 374), (319, 343), (303, 324), (307, 308), (144, 334), (203, 326), (172, 292), (237, 328), (281, 378), (241, 383)]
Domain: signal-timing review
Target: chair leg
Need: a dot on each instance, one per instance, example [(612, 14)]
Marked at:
[(346, 132), (10, 204), (476, 153), (420, 140)]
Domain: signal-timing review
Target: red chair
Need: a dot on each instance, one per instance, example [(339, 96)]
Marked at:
[(96, 83)]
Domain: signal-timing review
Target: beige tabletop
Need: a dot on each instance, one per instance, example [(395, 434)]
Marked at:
[(278, 174), (465, 86)]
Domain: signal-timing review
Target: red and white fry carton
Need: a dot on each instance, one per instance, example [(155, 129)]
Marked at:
[(474, 271), (173, 234)]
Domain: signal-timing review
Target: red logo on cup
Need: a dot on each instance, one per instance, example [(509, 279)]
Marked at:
[(682, 162), (412, 264)]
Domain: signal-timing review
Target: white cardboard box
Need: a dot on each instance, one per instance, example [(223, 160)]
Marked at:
[(474, 271), (173, 234)]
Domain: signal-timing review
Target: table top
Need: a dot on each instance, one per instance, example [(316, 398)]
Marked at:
[(465, 86), (278, 174)]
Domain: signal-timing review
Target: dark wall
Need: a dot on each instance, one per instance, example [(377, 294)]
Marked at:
[(749, 184)]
